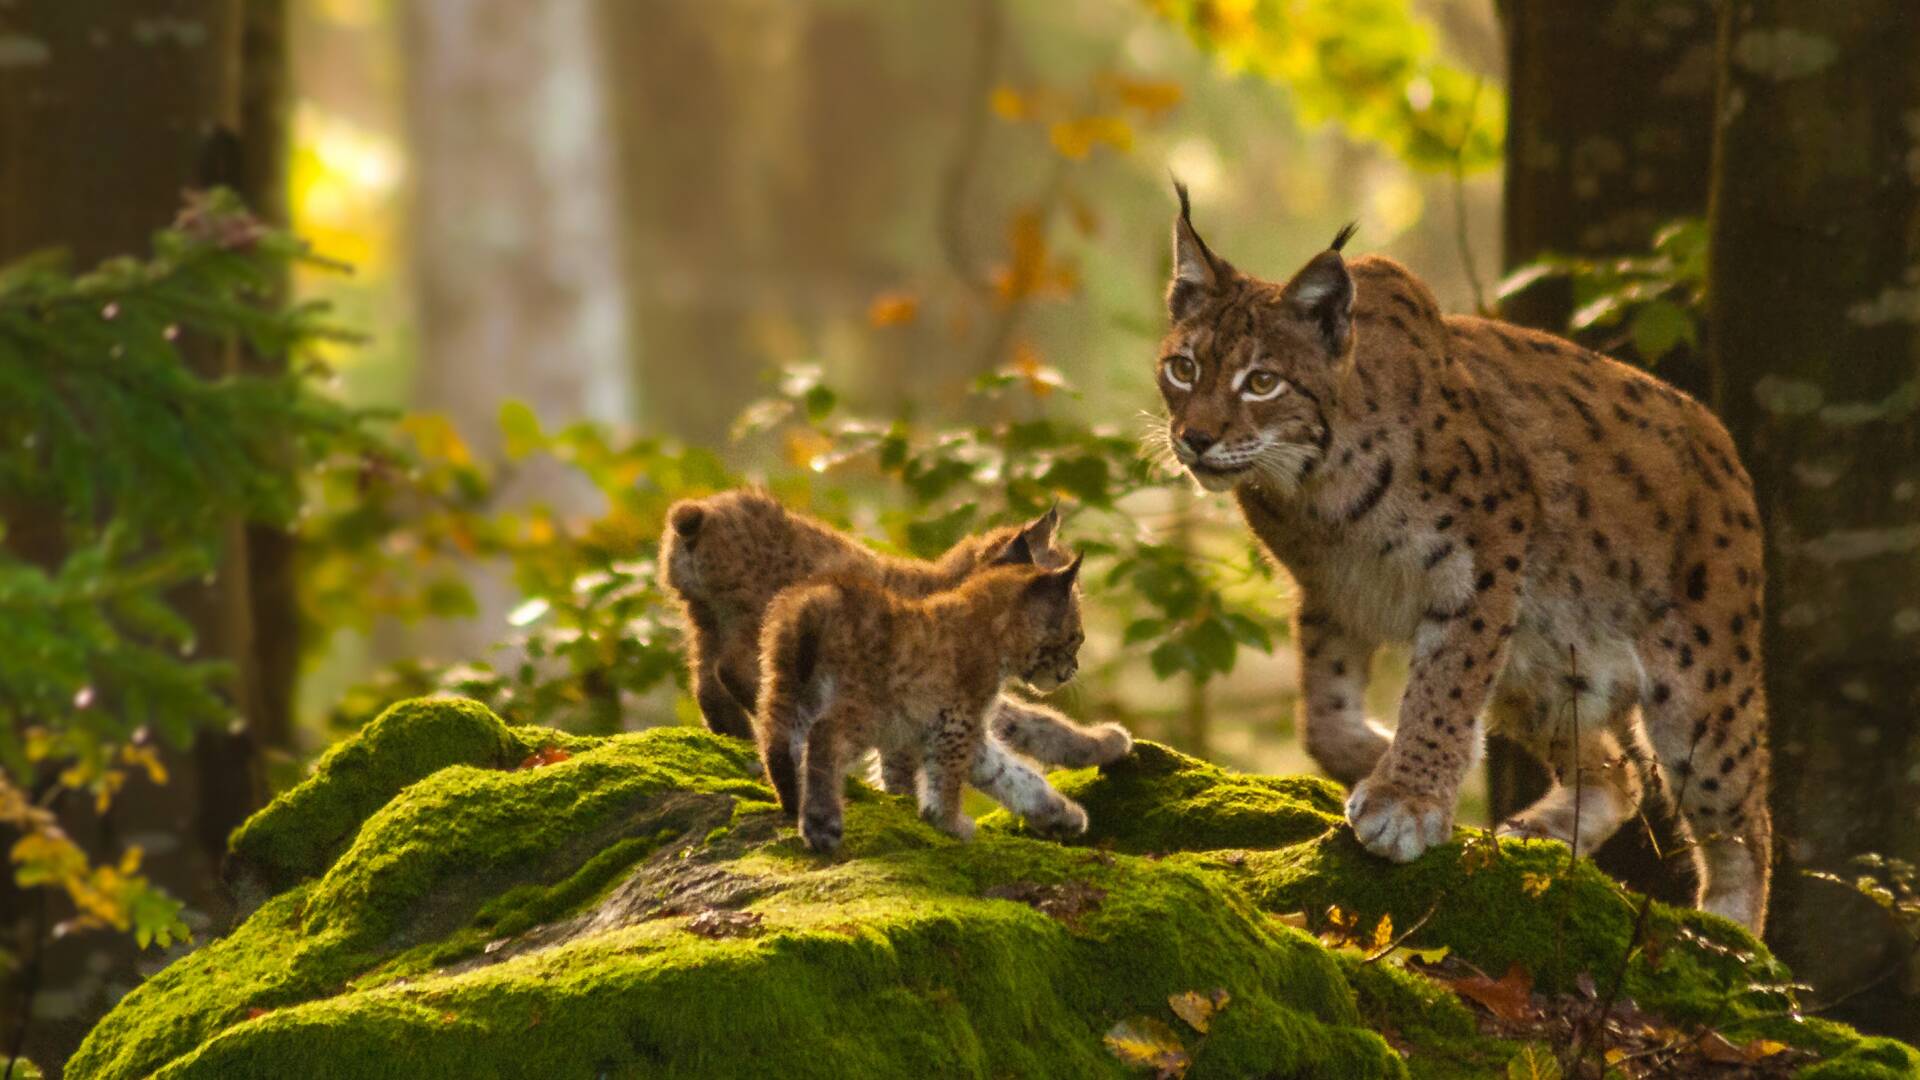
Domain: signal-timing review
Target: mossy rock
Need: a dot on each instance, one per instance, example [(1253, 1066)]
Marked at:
[(640, 909)]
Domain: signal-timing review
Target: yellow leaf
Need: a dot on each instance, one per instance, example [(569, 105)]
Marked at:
[(1535, 885), (1008, 105), (1382, 934), (1146, 1043), (808, 449), (892, 309), (1075, 139), (1152, 98), (1197, 1009)]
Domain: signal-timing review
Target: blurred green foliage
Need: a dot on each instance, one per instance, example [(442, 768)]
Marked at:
[(133, 437), (1371, 66), (1654, 300)]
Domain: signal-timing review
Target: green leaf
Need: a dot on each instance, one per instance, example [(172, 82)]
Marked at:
[(1533, 1063), (521, 429), (529, 611), (1141, 630), (1213, 645), (1658, 326)]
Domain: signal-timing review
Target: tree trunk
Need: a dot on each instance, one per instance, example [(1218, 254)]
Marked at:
[(1815, 342), (107, 113), (516, 240), (1609, 136)]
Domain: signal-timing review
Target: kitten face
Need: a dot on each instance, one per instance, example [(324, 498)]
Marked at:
[(1051, 613)]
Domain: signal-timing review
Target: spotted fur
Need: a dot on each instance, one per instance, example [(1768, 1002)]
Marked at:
[(850, 666), (725, 557), (1567, 544)]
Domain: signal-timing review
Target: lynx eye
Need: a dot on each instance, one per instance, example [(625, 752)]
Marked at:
[(1182, 371), (1263, 386)]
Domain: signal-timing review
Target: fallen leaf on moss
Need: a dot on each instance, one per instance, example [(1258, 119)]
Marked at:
[(1145, 1043), (1533, 1063), (1066, 902), (1509, 997), (546, 755), (1197, 1009)]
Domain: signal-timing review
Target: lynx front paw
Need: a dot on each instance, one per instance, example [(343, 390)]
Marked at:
[(1066, 819), (821, 830), (1111, 743), (1395, 823)]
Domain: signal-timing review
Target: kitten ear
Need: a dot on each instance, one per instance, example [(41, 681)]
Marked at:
[(1058, 584), (1197, 272), (1016, 553), (686, 518), (1323, 292), (1039, 531)]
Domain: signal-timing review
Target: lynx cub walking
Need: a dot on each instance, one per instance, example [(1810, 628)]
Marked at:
[(847, 666), (1558, 536), (728, 555)]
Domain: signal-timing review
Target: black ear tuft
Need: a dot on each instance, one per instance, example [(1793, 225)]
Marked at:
[(1039, 532), (1016, 553), (1345, 234), (1196, 270)]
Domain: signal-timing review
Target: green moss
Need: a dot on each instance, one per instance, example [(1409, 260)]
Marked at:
[(298, 834), (641, 909)]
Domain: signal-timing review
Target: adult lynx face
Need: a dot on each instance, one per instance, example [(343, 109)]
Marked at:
[(1248, 368)]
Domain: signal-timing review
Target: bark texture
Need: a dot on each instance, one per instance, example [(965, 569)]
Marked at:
[(1609, 137), (1815, 342)]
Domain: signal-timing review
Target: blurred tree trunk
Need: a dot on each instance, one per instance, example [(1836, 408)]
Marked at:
[(1815, 340), (1609, 137), (107, 114), (516, 239)]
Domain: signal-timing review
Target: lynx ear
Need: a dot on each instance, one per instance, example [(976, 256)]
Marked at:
[(1323, 292), (1016, 553), (1039, 532), (1057, 583), (1196, 270), (686, 518)]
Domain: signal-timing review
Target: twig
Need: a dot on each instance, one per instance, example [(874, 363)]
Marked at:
[(1432, 909)]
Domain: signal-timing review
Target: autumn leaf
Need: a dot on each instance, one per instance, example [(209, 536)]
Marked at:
[(1382, 935), (1041, 380), (546, 755), (1510, 997), (1076, 139), (1008, 104), (1146, 1043), (1533, 1063), (807, 449), (896, 308), (1717, 1048), (1152, 98), (1535, 885), (1197, 1009)]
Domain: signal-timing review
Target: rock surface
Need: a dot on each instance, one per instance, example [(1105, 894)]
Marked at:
[(448, 896)]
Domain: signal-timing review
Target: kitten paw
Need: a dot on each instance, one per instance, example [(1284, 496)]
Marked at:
[(1111, 743), (1396, 823), (822, 832), (1067, 819), (960, 827)]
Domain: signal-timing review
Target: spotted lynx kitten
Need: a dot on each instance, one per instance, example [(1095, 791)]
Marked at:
[(848, 665), (1564, 541), (727, 556)]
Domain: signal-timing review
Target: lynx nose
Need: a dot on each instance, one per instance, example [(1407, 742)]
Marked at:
[(1197, 441)]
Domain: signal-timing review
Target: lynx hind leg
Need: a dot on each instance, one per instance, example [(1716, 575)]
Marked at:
[(1596, 786), (1333, 691), (1032, 729), (823, 780), (1706, 718), (1002, 776), (896, 772)]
